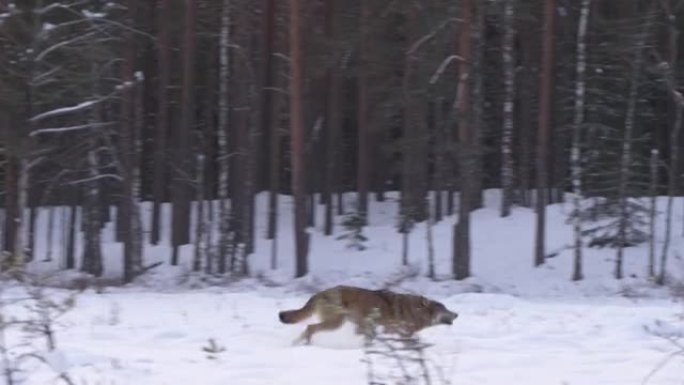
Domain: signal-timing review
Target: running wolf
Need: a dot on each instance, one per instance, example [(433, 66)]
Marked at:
[(403, 314)]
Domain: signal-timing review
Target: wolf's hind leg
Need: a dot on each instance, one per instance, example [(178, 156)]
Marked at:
[(365, 329), (326, 325)]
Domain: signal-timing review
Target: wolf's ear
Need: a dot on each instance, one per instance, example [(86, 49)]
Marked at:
[(425, 302)]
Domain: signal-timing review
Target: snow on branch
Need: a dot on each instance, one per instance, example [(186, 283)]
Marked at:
[(60, 130), (61, 44), (415, 46), (38, 79), (96, 178), (53, 6), (66, 110), (443, 66)]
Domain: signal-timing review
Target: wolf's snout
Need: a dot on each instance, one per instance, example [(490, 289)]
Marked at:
[(449, 318)]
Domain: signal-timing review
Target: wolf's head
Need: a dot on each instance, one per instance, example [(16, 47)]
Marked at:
[(440, 315)]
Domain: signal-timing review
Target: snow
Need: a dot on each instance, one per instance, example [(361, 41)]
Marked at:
[(133, 337), (79, 127), (47, 27), (517, 324), (93, 15), (64, 110)]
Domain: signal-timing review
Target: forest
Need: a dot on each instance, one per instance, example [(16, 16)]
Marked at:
[(203, 106)]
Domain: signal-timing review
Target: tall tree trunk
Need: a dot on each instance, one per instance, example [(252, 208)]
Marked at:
[(653, 210), (363, 163), (671, 190), (201, 229), (225, 221), (525, 120), (274, 182), (252, 132), (70, 231), (132, 122), (33, 221), (11, 187), (275, 145), (430, 246), (270, 117), (181, 201), (440, 149), (378, 138), (49, 234), (575, 153), (274, 177), (508, 108), (544, 128), (161, 133), (414, 143), (91, 261), (254, 152), (626, 157), (92, 252), (461, 250), (297, 139), (675, 132), (246, 143), (477, 122), (332, 126), (19, 258)]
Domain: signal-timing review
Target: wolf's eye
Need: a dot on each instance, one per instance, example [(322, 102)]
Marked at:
[(425, 302)]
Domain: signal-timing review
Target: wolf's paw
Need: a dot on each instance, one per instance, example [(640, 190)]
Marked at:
[(300, 341)]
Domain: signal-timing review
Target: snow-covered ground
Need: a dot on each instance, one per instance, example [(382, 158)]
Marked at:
[(517, 324), (135, 337)]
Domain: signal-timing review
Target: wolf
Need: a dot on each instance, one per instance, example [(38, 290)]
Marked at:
[(397, 313)]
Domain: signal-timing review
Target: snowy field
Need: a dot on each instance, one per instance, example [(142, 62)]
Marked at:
[(517, 324), (130, 337)]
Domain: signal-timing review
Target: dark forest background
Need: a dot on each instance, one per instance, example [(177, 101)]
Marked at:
[(118, 102)]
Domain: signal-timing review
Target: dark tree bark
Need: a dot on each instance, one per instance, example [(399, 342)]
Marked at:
[(463, 106), (363, 171), (91, 212), (276, 143), (181, 189), (544, 128), (508, 58), (161, 133), (414, 143), (33, 219), (11, 187), (254, 150), (70, 244), (129, 161), (575, 152), (297, 139), (92, 252), (332, 125), (670, 76), (238, 132), (270, 116), (226, 230), (332, 122), (477, 122), (526, 110), (439, 148)]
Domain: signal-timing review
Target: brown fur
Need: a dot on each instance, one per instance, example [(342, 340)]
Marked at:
[(404, 314)]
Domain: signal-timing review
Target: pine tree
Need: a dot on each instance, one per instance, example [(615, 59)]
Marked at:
[(353, 223)]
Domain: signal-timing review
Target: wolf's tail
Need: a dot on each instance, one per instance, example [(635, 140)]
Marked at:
[(298, 315)]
